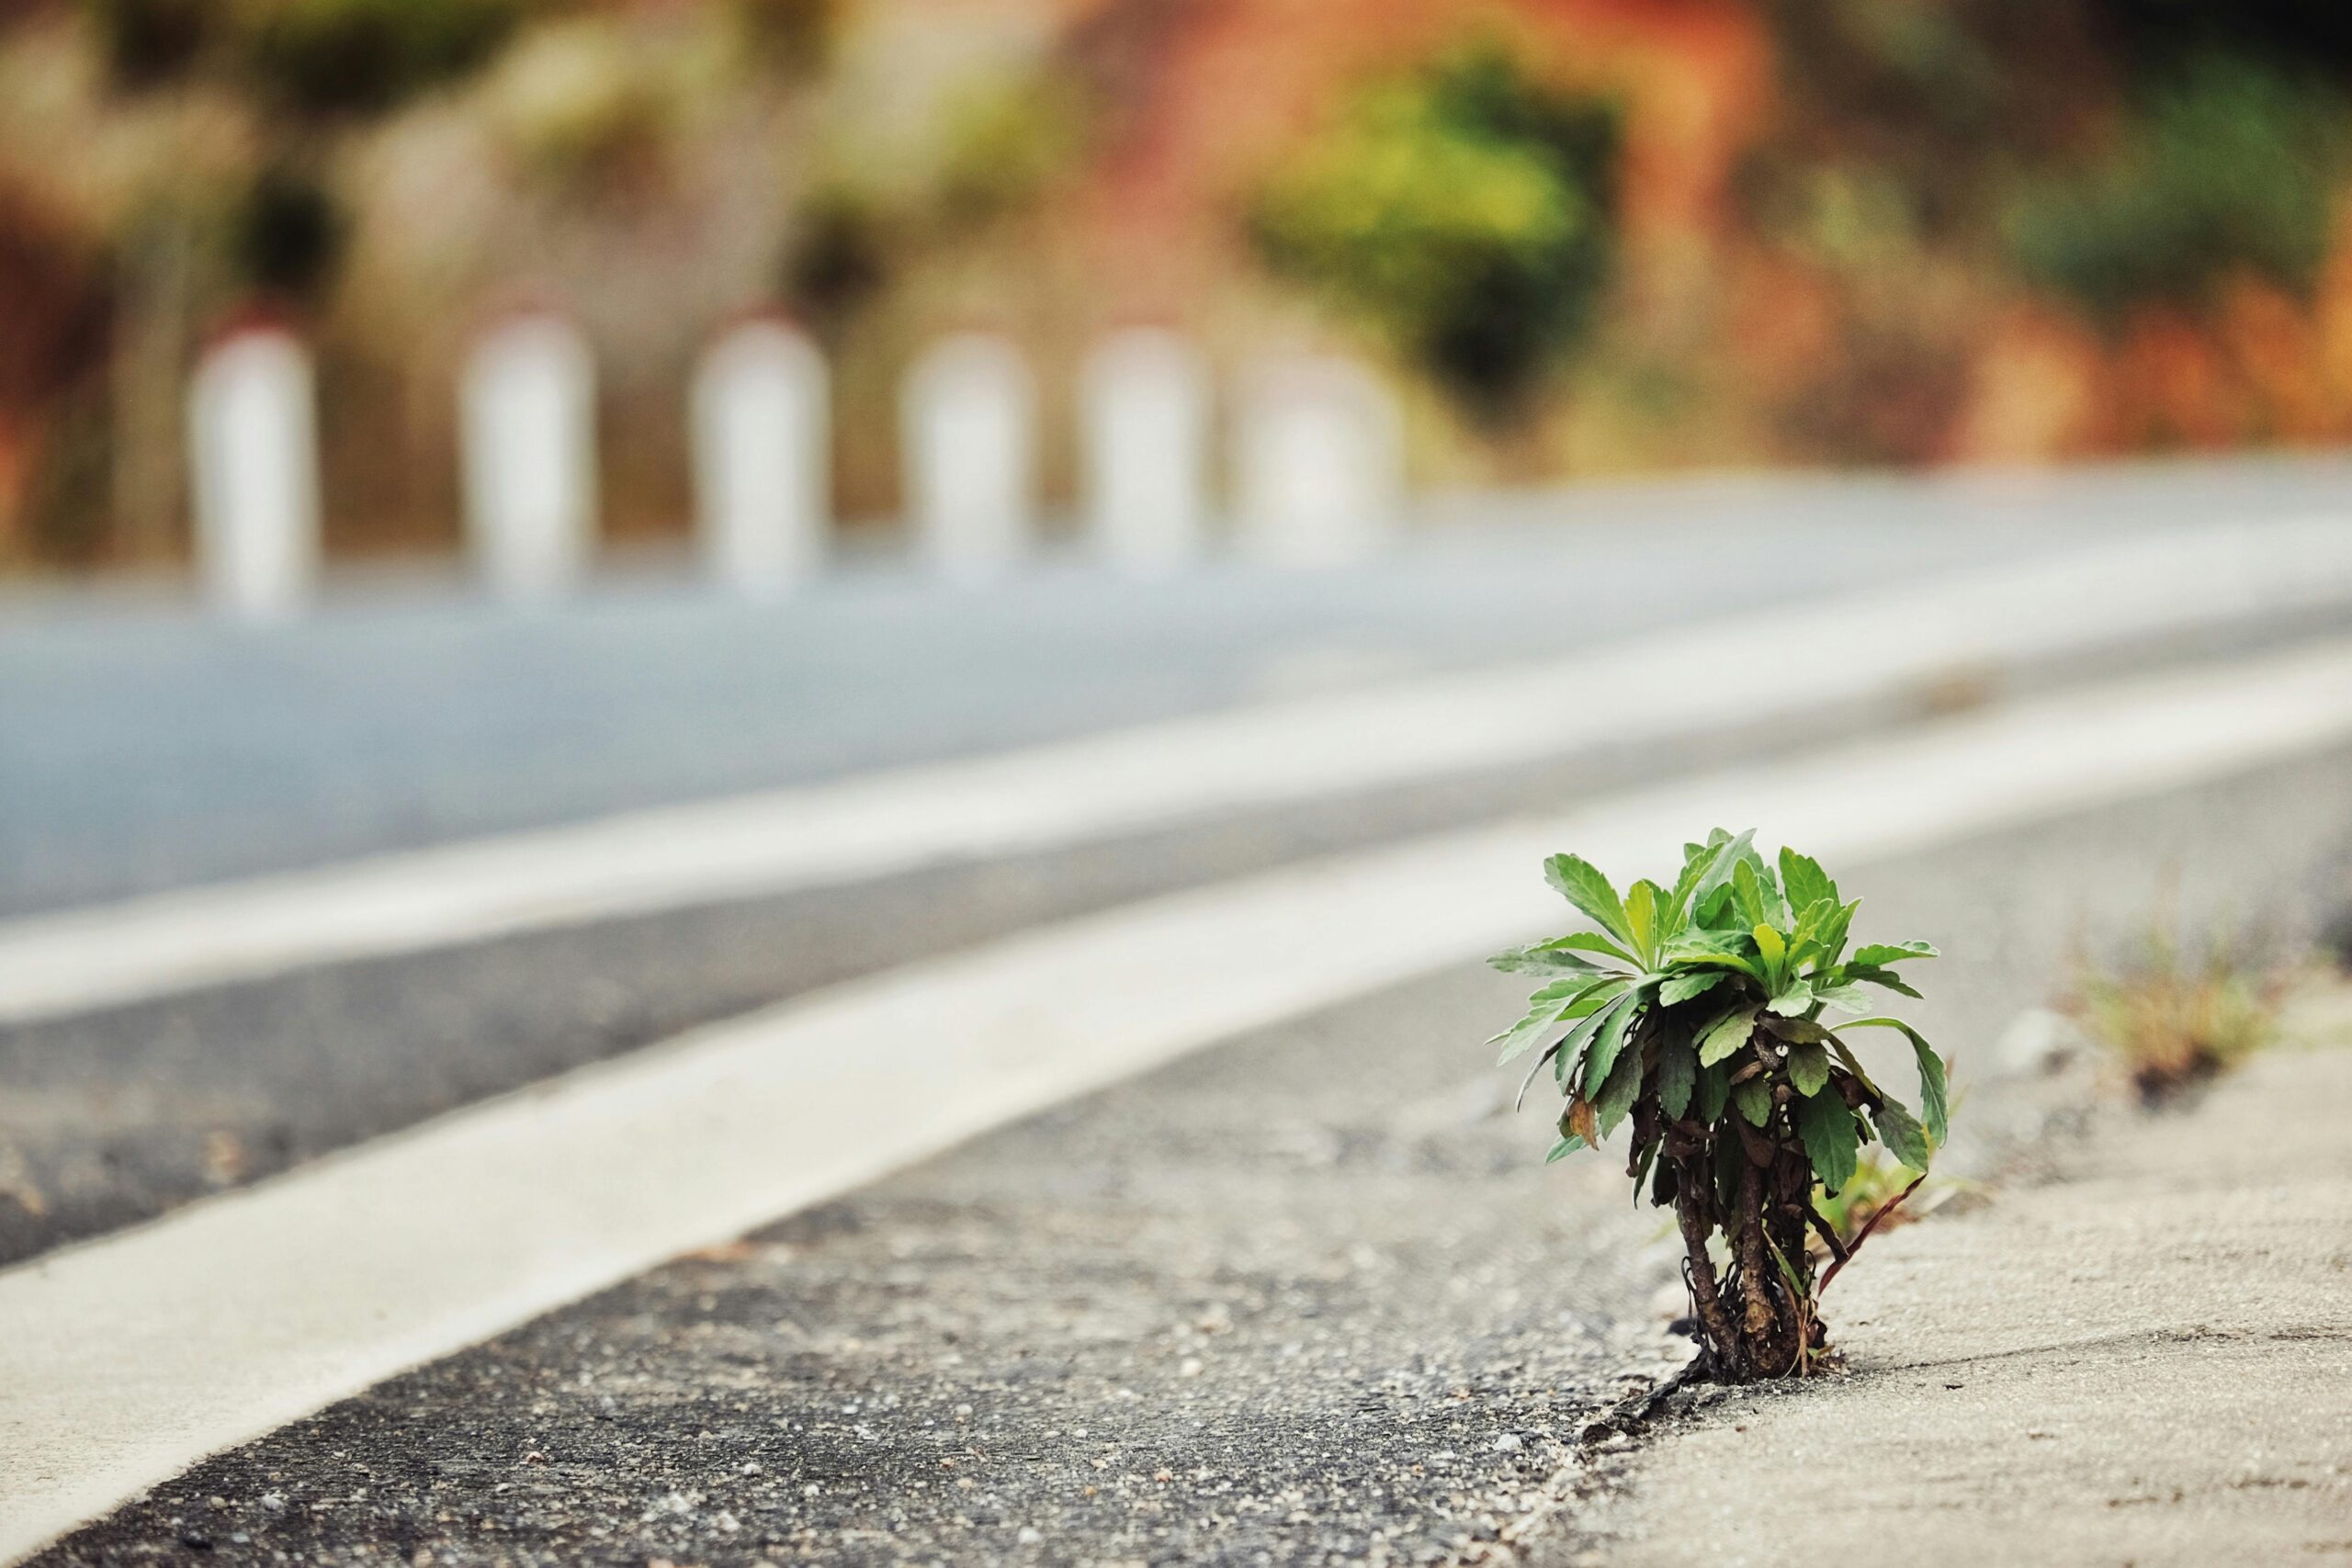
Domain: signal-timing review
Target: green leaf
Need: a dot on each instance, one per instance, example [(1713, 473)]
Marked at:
[(1806, 938), (1590, 942), (1546, 1008), (1677, 1072), (1714, 1088), (1771, 952), (1581, 883), (1832, 936), (1803, 881), (1564, 1149), (1711, 959), (1682, 987), (1792, 1001), (1753, 1099), (1830, 1138), (1641, 919), (1934, 1090), (1808, 1067), (1902, 1136), (1725, 1034), (1883, 953), (1543, 958), (1729, 852), (1609, 1038), (1798, 1029), (1522, 1035), (1877, 976), (1845, 999), (1619, 1091), (1749, 891), (1562, 1052), (1593, 1022), (1677, 908)]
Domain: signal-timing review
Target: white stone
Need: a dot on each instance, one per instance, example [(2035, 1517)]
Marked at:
[(528, 417), (762, 433), (1319, 474), (253, 465), (968, 418), (1144, 400)]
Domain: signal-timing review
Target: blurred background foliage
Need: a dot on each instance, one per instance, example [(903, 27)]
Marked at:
[(1582, 236), (1467, 212)]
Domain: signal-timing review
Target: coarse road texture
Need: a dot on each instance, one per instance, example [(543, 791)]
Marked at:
[(1304, 1297), (2146, 1359), (142, 751)]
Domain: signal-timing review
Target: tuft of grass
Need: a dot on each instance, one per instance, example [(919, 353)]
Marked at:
[(2170, 1015)]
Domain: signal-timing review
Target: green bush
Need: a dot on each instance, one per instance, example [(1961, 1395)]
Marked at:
[(314, 56), (2229, 167), (1704, 1013), (364, 56), (1467, 212)]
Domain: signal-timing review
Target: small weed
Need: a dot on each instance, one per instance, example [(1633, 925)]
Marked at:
[(2170, 1015), (1713, 1015)]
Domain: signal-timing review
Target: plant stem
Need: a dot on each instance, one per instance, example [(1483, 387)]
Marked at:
[(1706, 1300), (1760, 1320)]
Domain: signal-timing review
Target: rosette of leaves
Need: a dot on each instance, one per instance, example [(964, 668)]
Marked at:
[(1713, 1016)]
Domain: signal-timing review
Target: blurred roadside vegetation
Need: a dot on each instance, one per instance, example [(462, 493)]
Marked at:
[(1468, 211), (2171, 1014), (1583, 236)]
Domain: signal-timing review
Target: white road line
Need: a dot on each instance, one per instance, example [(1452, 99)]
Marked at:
[(127, 1358), (1875, 645)]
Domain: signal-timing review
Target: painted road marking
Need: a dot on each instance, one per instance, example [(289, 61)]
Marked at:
[(1856, 649), (127, 1358)]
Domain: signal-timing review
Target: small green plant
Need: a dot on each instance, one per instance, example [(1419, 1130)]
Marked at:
[(1703, 1013), (2170, 1019)]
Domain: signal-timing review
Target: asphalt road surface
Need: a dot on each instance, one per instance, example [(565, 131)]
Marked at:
[(1303, 1298), (1297, 1297), (141, 749)]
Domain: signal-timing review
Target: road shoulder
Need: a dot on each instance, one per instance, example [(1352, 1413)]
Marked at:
[(2146, 1359)]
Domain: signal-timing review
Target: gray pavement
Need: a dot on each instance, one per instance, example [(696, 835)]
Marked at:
[(1308, 1296), (2145, 1358), (144, 747)]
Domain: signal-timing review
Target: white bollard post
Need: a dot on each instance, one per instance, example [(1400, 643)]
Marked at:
[(967, 420), (253, 467), (1144, 397), (527, 429), (1319, 463), (762, 443)]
